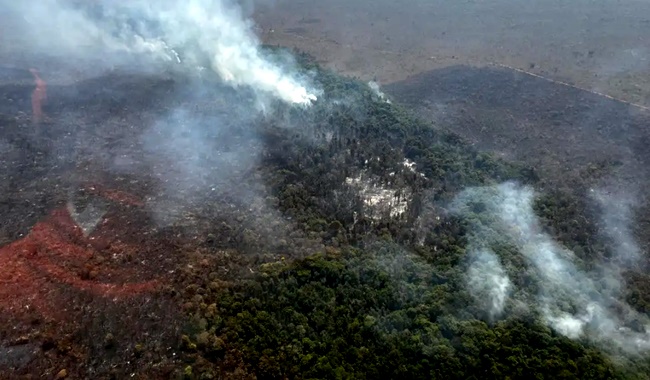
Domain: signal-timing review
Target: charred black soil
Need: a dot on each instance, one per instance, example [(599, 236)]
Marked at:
[(563, 132)]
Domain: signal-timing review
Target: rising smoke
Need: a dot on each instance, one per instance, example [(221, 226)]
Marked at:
[(570, 300), (191, 34), (616, 210), (374, 86), (488, 282)]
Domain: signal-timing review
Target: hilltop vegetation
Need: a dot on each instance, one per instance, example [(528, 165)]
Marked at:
[(384, 296)]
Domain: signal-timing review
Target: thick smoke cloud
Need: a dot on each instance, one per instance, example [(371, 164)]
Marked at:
[(570, 300), (192, 34)]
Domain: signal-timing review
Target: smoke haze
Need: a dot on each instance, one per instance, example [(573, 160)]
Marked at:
[(617, 214), (570, 300)]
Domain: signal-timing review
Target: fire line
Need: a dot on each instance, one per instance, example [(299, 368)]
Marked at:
[(38, 97)]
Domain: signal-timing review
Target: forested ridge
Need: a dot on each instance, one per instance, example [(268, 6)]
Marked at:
[(380, 292)]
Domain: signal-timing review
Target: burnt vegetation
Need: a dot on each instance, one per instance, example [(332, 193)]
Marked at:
[(289, 271)]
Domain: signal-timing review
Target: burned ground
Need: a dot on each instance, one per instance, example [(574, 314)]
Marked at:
[(99, 295), (595, 44), (66, 305), (563, 132)]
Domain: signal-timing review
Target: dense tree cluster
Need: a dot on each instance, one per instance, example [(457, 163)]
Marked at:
[(345, 315)]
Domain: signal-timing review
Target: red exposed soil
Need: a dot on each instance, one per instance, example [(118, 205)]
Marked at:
[(56, 253), (57, 285)]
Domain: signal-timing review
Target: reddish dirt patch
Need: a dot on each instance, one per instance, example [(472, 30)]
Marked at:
[(55, 253), (102, 299)]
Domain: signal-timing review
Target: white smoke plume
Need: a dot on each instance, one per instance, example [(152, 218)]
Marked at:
[(571, 301), (488, 282), (616, 208), (195, 33), (374, 86)]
